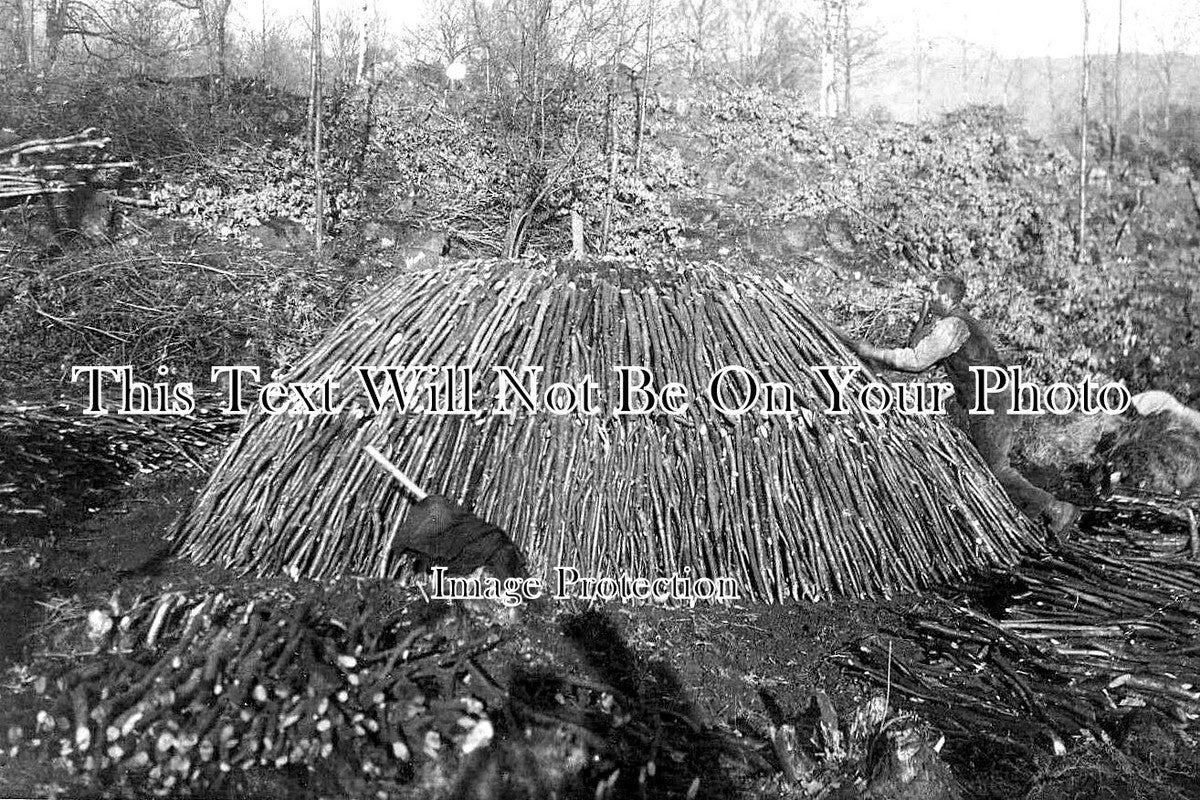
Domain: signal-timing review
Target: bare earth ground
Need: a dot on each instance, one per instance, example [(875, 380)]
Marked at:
[(739, 665), (738, 668)]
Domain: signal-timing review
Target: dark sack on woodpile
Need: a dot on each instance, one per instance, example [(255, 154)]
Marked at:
[(441, 533)]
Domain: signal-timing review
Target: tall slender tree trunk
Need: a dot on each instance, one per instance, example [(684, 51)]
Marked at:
[(1141, 106), (920, 64), (1083, 139), (610, 138), (262, 68), (214, 17), (964, 64), (20, 35), (481, 36), (30, 33), (847, 64), (827, 106), (1166, 82), (1115, 140), (312, 90), (319, 211), (222, 50), (643, 89), (1138, 80), (56, 19), (1051, 96), (360, 73), (1106, 120), (610, 185)]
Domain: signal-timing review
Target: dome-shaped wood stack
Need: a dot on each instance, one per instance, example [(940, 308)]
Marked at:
[(799, 506)]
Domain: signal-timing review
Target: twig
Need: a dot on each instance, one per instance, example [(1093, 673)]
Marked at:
[(76, 326)]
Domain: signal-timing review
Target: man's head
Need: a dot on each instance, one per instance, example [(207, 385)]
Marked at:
[(948, 291)]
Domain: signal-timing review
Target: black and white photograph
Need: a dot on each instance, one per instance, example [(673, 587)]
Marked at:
[(600, 399)]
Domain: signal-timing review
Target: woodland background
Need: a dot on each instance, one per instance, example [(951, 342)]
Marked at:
[(770, 133)]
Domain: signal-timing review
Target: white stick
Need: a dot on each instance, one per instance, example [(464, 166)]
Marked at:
[(405, 481)]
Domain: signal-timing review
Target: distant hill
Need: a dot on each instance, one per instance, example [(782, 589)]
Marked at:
[(1045, 91)]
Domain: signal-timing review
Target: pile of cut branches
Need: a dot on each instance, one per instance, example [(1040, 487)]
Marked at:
[(152, 305), (349, 690), (190, 692), (50, 166), (1067, 642), (49, 447), (788, 506)]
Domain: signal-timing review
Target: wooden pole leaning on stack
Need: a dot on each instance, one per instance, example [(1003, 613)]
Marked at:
[(801, 506), (440, 533)]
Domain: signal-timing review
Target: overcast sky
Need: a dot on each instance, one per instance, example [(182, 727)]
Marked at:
[(1011, 27), (1017, 28)]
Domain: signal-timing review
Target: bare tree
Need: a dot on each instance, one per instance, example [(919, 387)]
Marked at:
[(641, 89), (213, 19), (65, 18), (610, 132), (1016, 72), (364, 28), (1051, 88), (1164, 63), (147, 35), (827, 33), (342, 40), (1137, 78), (317, 80), (763, 45), (18, 24), (142, 36), (1114, 139), (262, 68), (557, 75), (847, 62), (1083, 138), (274, 46), (1173, 36), (859, 45), (214, 16), (705, 24), (919, 63), (448, 35)]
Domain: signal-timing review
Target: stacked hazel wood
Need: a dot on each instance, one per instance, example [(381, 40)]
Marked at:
[(350, 690), (189, 692), (33, 167), (805, 505)]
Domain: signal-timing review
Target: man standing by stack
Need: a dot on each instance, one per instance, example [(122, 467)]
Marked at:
[(957, 341)]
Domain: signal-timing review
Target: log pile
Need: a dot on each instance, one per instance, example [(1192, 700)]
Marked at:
[(48, 166), (1067, 642), (804, 506), (357, 688), (189, 692)]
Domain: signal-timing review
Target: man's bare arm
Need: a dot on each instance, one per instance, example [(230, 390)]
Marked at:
[(946, 337)]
